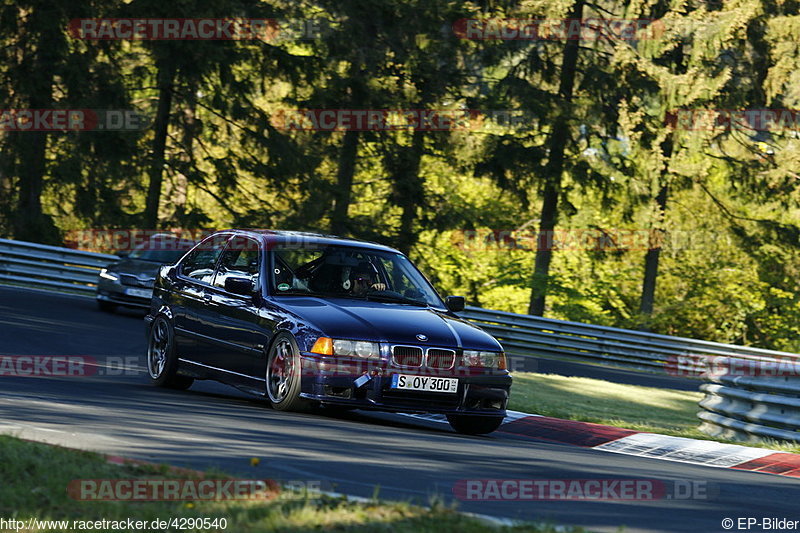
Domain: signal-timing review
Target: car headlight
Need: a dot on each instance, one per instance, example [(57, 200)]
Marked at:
[(327, 346), (104, 273), (478, 359)]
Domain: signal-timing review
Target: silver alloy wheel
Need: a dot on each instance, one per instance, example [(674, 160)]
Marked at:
[(280, 371), (158, 348)]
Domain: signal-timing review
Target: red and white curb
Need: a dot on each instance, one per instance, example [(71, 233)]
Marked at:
[(652, 445)]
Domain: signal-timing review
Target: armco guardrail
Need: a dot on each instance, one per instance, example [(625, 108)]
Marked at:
[(748, 401), (50, 267), (547, 337)]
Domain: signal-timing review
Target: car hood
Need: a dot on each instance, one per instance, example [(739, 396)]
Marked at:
[(388, 322), (135, 267)]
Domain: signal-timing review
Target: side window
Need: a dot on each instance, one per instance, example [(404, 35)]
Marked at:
[(199, 264), (241, 259)]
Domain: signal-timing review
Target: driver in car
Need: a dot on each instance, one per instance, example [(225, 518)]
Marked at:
[(364, 279)]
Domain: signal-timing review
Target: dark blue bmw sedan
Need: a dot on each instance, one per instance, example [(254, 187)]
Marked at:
[(307, 319)]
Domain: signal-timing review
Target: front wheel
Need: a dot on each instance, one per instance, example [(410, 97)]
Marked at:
[(474, 425), (283, 381), (162, 361)]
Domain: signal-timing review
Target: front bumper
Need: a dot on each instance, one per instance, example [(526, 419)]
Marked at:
[(117, 293), (367, 385)]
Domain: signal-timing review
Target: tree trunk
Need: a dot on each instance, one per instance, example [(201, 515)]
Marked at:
[(344, 183), (166, 77), (30, 147), (179, 189), (544, 247), (553, 171), (651, 260), (31, 224), (410, 191), (653, 255)]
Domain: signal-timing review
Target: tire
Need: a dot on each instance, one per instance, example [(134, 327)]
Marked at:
[(474, 425), (283, 375), (106, 307), (162, 361)]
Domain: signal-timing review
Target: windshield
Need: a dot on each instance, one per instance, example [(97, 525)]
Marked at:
[(347, 272)]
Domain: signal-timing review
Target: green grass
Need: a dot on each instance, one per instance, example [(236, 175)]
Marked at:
[(665, 411), (35, 477)]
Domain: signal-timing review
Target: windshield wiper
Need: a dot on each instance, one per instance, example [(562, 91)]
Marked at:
[(394, 297)]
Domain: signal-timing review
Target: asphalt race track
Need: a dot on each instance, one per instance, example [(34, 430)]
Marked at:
[(212, 425)]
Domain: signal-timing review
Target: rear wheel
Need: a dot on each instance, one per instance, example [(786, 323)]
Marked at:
[(474, 425), (162, 361), (283, 375)]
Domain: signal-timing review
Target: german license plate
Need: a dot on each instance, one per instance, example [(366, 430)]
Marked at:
[(140, 293), (424, 383)]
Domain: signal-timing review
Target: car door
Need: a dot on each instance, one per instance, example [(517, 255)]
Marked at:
[(191, 309), (234, 327)]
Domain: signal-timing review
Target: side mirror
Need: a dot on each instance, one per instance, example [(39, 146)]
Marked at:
[(241, 286), (455, 303)]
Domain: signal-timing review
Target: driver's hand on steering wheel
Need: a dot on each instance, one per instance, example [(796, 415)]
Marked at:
[(378, 287)]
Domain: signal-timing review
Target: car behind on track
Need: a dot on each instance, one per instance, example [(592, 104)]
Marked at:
[(128, 282)]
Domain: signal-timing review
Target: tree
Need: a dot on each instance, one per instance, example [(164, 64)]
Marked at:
[(666, 79), (541, 78), (45, 69), (36, 53), (225, 73)]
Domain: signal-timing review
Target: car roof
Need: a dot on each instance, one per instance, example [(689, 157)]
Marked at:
[(295, 237)]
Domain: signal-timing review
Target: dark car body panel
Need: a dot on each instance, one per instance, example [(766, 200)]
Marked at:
[(226, 337)]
